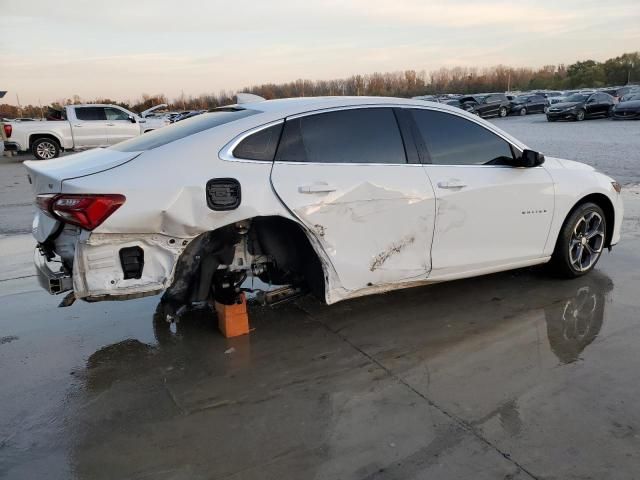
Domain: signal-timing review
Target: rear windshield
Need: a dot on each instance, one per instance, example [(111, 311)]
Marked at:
[(171, 133)]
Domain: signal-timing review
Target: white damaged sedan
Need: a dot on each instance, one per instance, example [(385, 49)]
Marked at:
[(339, 196)]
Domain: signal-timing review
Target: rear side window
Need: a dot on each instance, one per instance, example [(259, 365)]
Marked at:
[(182, 129), (116, 114), (453, 140), (90, 113), (260, 145), (367, 135)]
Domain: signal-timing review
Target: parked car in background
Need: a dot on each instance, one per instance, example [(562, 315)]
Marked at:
[(579, 106), (618, 92), (628, 108), (427, 98), (270, 202), (185, 115), (486, 104), (77, 127), (524, 104)]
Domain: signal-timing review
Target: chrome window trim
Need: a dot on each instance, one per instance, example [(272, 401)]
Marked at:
[(226, 152)]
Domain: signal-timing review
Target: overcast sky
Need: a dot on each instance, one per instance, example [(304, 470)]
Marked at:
[(122, 48)]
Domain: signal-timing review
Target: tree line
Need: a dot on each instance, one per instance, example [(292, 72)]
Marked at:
[(582, 74)]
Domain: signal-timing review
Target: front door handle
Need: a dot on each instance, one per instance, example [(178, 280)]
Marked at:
[(452, 184), (77, 125), (316, 188), (110, 124)]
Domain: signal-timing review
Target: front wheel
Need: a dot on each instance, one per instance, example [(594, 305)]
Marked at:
[(581, 241), (523, 111), (45, 149), (549, 119), (503, 111), (580, 115)]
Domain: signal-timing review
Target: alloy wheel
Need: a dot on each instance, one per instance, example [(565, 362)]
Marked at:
[(580, 115), (523, 111), (46, 150), (503, 112), (587, 240)]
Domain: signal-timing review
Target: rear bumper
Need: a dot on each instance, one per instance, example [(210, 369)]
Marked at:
[(12, 147), (53, 280)]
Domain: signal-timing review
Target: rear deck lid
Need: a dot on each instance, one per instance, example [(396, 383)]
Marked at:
[(47, 176)]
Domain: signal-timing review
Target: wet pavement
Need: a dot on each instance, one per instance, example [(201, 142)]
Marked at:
[(510, 376)]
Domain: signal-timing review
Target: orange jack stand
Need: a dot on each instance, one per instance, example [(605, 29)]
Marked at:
[(233, 320)]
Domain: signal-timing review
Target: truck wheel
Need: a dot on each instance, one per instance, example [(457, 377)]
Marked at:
[(45, 149)]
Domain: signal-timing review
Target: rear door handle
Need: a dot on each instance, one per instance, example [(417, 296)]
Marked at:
[(316, 188), (452, 184)]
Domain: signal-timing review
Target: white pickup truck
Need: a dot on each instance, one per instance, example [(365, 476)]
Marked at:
[(78, 127)]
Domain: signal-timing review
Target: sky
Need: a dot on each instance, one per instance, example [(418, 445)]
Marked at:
[(120, 49)]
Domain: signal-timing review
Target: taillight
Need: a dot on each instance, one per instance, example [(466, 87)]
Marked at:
[(8, 130), (87, 211)]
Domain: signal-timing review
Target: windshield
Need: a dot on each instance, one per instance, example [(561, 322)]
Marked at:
[(576, 97), (174, 132), (631, 96)]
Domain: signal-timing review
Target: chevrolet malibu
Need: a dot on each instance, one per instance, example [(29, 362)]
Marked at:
[(341, 196)]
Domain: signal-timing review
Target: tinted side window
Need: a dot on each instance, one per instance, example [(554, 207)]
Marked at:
[(259, 146), (116, 114), (453, 140), (368, 135), (90, 113)]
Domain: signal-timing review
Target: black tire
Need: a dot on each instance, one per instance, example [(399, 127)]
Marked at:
[(45, 149), (523, 111), (580, 114), (503, 112), (569, 259), (610, 112), (549, 119)]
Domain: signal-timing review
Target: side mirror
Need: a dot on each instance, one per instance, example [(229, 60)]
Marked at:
[(529, 159), (132, 119)]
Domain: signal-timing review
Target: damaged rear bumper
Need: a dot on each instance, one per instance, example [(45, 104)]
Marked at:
[(101, 271), (54, 281)]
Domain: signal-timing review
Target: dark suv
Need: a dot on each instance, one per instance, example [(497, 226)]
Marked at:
[(579, 106), (486, 104)]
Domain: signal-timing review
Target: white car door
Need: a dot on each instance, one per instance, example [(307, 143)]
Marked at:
[(89, 128), (345, 175), (489, 212), (119, 125)]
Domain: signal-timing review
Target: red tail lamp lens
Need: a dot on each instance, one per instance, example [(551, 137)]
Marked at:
[(84, 210)]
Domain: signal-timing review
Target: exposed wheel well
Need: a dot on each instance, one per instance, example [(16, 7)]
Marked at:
[(275, 249), (38, 136), (607, 207)]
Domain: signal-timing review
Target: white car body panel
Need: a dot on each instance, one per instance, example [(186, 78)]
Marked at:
[(391, 207), (501, 215), (374, 233)]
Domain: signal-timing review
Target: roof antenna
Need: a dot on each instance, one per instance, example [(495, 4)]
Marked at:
[(248, 98)]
